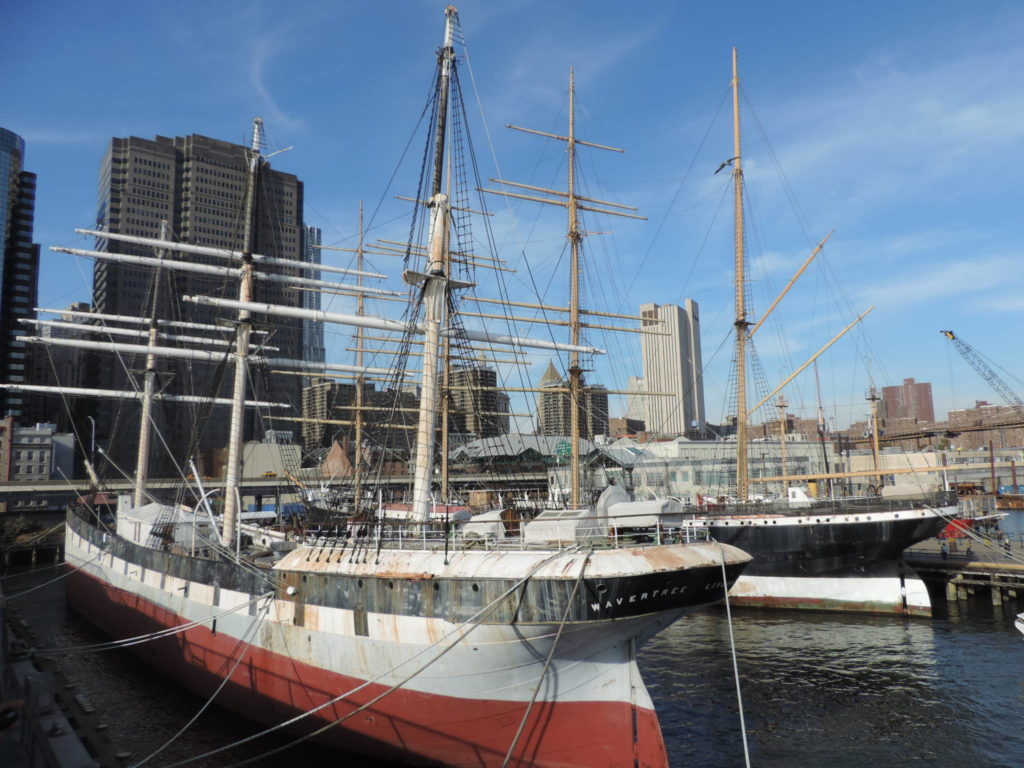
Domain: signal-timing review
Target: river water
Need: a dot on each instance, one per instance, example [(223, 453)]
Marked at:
[(839, 691)]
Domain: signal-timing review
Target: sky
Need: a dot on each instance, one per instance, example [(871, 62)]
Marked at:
[(899, 127)]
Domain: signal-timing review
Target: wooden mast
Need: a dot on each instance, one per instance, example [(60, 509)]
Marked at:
[(574, 235), (572, 203), (357, 489), (148, 387), (873, 397), (741, 323), (232, 474), (782, 405), (435, 284)]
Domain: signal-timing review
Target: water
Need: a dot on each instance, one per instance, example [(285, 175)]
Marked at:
[(842, 691), (818, 690)]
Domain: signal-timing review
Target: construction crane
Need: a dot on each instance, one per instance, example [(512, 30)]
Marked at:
[(971, 355)]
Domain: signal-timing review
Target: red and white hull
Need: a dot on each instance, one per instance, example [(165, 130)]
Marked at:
[(448, 699)]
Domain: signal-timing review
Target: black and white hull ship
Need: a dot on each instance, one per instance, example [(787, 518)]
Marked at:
[(841, 555)]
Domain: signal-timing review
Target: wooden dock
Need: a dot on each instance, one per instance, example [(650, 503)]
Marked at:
[(987, 567)]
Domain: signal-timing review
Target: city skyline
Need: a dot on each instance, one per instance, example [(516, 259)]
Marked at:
[(901, 137)]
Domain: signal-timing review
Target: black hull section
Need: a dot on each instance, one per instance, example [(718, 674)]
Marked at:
[(826, 549)]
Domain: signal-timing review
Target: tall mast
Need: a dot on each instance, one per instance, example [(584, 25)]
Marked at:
[(571, 201), (822, 429), (148, 388), (781, 405), (435, 292), (574, 235), (874, 397), (446, 365), (741, 322), (245, 293), (357, 491)]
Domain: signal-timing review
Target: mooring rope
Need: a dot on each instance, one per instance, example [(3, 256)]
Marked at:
[(735, 664), (547, 662), (472, 622), (139, 639), (71, 569), (245, 643)]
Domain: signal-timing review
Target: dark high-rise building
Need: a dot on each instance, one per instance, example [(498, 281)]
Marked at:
[(19, 270), (477, 407), (388, 419), (910, 400), (197, 185), (312, 330), (554, 408)]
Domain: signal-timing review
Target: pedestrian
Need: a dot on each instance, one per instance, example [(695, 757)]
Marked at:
[(945, 551), (970, 550), (1006, 545)]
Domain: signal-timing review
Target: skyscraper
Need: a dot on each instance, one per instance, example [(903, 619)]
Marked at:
[(19, 269), (476, 402), (672, 364), (910, 400), (554, 407), (197, 185), (312, 330)]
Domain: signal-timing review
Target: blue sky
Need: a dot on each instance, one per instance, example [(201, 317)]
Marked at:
[(898, 125)]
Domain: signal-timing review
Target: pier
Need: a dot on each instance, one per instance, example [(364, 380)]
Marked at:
[(988, 566)]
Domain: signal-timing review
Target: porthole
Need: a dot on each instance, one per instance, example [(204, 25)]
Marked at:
[(359, 583), (437, 587), (476, 588), (391, 585), (601, 588)]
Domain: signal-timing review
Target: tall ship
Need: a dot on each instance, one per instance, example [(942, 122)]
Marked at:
[(829, 553), (813, 553), (401, 637)]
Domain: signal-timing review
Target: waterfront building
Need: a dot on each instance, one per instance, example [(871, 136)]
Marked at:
[(672, 364), (40, 453), (982, 415), (554, 407), (620, 427), (19, 270), (197, 185), (688, 469), (909, 400)]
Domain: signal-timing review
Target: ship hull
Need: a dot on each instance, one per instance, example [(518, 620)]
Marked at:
[(831, 562), (442, 701), (405, 726)]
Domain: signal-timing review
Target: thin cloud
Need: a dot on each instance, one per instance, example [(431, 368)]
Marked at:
[(942, 281)]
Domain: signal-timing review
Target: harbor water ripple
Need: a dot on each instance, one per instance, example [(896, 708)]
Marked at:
[(842, 691), (830, 690)]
